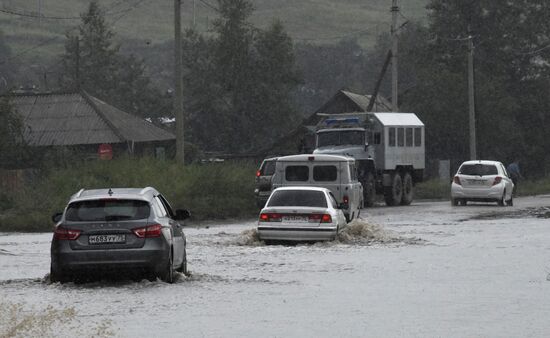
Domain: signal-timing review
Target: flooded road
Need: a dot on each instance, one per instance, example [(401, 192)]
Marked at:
[(424, 270)]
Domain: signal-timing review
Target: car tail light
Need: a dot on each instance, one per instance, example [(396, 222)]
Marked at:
[(62, 233), (322, 218), (456, 180), (346, 199), (258, 173), (149, 231), (497, 180), (270, 217)]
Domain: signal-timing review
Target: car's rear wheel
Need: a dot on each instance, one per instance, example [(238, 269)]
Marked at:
[(463, 201), (501, 200), (407, 194), (510, 202), (183, 267), (369, 190), (168, 273), (394, 193), (454, 201), (57, 276)]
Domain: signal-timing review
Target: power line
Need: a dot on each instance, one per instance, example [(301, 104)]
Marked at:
[(40, 16)]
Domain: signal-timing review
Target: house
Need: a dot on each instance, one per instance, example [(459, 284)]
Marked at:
[(302, 139), (81, 121)]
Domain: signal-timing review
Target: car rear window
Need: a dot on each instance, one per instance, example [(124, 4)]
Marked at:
[(324, 173), (297, 198), (478, 169), (107, 210), (297, 173), (268, 168)]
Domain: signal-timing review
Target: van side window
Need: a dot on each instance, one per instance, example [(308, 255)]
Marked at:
[(353, 172), (377, 138), (325, 173), (400, 137), (417, 137), (391, 141), (409, 137), (297, 173)]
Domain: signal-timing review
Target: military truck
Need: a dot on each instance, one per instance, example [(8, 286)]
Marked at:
[(389, 149)]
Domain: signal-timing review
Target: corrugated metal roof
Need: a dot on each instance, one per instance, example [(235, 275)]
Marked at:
[(72, 119), (380, 103)]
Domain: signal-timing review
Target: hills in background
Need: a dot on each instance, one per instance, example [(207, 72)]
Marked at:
[(146, 23)]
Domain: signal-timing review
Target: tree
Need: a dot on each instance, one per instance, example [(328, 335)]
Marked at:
[(13, 148), (94, 63), (238, 83), (7, 68), (511, 76)]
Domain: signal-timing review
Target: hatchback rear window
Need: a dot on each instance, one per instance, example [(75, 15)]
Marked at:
[(324, 173), (478, 169), (294, 173), (297, 198), (268, 168), (107, 210)]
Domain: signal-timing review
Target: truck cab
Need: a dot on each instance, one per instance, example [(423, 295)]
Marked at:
[(389, 149)]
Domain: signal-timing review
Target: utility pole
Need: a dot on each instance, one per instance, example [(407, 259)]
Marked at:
[(471, 102), (394, 58), (77, 63), (194, 14), (178, 98)]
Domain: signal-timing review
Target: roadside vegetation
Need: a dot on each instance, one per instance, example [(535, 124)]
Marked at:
[(209, 191)]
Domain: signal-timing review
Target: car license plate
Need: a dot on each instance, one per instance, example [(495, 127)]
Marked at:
[(105, 239), (477, 182), (292, 218)]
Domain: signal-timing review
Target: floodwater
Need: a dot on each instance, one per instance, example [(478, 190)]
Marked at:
[(426, 270)]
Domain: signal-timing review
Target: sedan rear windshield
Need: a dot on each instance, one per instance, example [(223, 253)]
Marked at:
[(298, 198), (107, 210), (478, 169)]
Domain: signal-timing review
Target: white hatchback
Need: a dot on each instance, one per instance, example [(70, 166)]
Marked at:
[(301, 214), (482, 181)]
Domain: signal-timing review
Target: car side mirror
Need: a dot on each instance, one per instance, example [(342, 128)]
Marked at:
[(57, 217), (182, 214)]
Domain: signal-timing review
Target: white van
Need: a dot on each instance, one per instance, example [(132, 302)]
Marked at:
[(334, 172)]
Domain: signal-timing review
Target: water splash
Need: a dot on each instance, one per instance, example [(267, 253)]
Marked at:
[(249, 238)]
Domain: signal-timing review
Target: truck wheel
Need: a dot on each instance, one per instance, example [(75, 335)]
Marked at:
[(369, 190), (407, 189), (394, 193)]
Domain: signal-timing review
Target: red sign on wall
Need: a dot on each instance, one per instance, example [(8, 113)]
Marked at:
[(105, 151)]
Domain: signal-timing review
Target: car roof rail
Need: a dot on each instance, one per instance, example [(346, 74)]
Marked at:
[(79, 192), (146, 189)]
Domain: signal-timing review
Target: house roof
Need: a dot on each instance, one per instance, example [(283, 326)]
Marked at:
[(78, 118)]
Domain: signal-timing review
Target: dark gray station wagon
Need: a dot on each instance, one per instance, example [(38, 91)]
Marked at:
[(121, 231)]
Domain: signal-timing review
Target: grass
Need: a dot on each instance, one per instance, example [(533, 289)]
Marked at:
[(209, 191)]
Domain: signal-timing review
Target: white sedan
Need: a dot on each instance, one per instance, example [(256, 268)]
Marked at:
[(482, 181), (301, 214)]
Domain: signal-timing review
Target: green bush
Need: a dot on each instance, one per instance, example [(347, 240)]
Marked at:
[(209, 191), (433, 189)]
